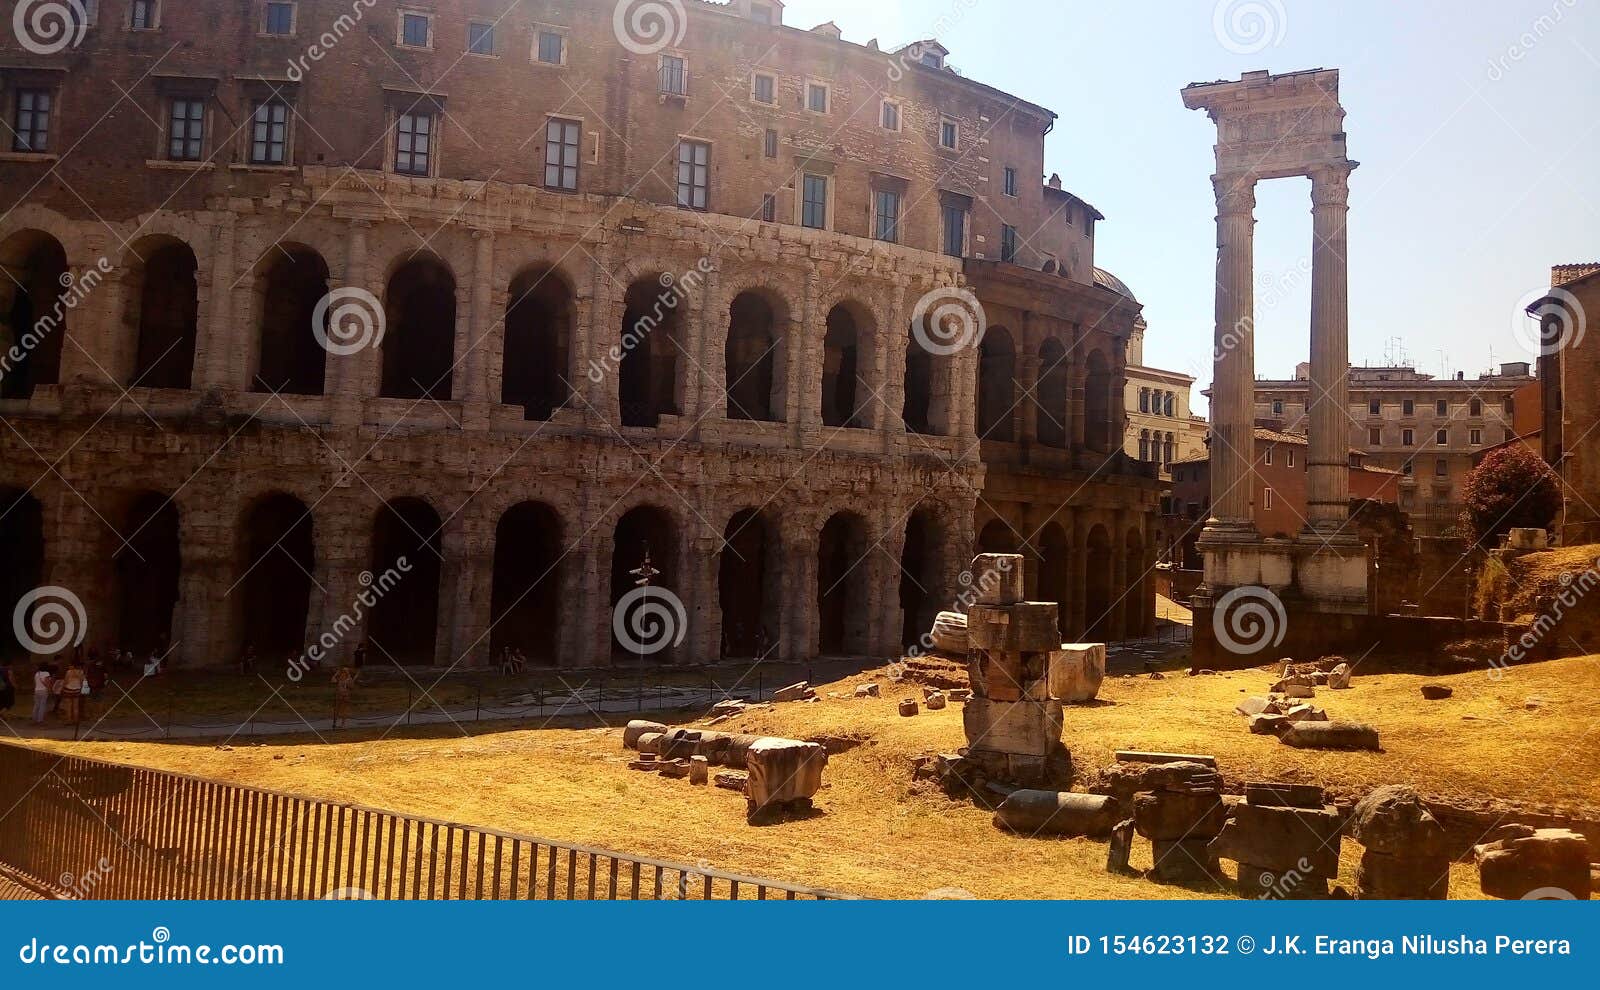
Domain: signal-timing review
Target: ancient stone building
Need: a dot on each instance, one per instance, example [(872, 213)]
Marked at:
[(1569, 363), (499, 296)]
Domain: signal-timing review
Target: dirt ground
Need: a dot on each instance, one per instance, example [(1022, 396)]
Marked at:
[(1531, 738)]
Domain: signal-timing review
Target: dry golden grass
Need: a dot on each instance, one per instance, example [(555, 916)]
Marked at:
[(879, 834)]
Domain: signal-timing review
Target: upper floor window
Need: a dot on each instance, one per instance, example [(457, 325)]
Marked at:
[(674, 75), (1373, 409), (769, 208), (1269, 457), (1408, 407), (761, 13), (891, 116), (694, 174), (31, 124), (1441, 408), (413, 145), (187, 132), (818, 97), (269, 133), (144, 15), (1408, 438), (955, 231), (278, 18), (480, 38), (949, 134), (886, 215), (1008, 243), (416, 30), (1477, 438), (552, 48), (1277, 407), (1477, 407), (769, 144), (1442, 438), (1441, 468), (1375, 436), (814, 202), (561, 139), (764, 89), (1144, 400), (1009, 181)]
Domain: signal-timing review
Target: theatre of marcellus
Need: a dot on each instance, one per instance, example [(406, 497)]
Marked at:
[(707, 300)]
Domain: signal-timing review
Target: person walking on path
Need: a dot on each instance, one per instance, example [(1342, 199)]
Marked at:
[(344, 683), (8, 690), (41, 693)]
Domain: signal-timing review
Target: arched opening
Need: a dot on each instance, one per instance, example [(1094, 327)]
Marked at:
[(1055, 572), (747, 586), (292, 360), (277, 558), (998, 537), (1135, 608), (402, 626), (525, 604), (644, 531), (751, 359), (1099, 596), (997, 386), (920, 566), (917, 412), (842, 597), (420, 342), (166, 297), (842, 358), (539, 319), (1050, 396), (22, 550), (33, 317), (648, 376), (1099, 432), (147, 567)]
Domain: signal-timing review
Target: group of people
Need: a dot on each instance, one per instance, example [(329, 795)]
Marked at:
[(512, 661), (59, 689)]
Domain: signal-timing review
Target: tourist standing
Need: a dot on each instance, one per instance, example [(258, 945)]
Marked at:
[(344, 683), (73, 687), (42, 682), (8, 690)]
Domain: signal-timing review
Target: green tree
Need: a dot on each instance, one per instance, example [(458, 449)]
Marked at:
[(1512, 489)]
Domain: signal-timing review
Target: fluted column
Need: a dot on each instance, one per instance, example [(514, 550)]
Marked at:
[(1233, 388), (1328, 486)]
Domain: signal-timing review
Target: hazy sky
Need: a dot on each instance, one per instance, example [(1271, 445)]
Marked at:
[(1474, 122)]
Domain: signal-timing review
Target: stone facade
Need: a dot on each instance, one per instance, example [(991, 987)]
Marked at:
[(1567, 372), (568, 378)]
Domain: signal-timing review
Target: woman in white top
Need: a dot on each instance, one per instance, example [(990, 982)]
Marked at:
[(41, 693)]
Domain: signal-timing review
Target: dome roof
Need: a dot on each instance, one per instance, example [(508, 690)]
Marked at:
[(1106, 280)]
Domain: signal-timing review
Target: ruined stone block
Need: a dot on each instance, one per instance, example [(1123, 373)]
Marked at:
[(638, 728), (1262, 883), (1403, 877), (1184, 861), (783, 770), (1027, 728), (1026, 627), (1166, 816), (1282, 840), (1549, 861), (1058, 813), (1331, 735), (1076, 671), (999, 578)]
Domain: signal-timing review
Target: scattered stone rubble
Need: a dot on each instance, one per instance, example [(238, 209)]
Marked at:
[(1181, 813), (1286, 710), (1285, 840), (1535, 864), (1406, 856), (778, 777)]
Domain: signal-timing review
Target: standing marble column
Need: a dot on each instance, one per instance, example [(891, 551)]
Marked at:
[(1328, 486), (1233, 387)]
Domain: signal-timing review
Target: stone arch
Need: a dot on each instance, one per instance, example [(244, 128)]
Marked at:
[(407, 549), (843, 596), (645, 529), (276, 557), (1051, 395), (292, 281), (161, 293), (1055, 570), (846, 364), (537, 364), (755, 356), (33, 311), (22, 548), (525, 603), (922, 568), (997, 536), (147, 567), (419, 343), (652, 336), (749, 584), (1136, 593), (1099, 594), (997, 386), (1099, 430)]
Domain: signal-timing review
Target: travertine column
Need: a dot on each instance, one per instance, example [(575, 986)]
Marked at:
[(1328, 486), (475, 361), (1116, 622), (797, 622), (352, 378), (1233, 387), (1078, 578), (215, 336)]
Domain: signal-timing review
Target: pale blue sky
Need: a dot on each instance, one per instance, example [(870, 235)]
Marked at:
[(1473, 119)]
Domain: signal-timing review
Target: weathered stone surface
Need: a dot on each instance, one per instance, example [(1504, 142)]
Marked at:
[(999, 578), (1026, 627), (1262, 883), (1076, 671), (1276, 795), (1027, 728), (1140, 756), (1305, 713), (1339, 678), (1549, 860), (935, 701), (794, 692), (949, 633), (680, 744), (1007, 676), (1179, 777), (1331, 735), (650, 743), (1403, 877), (1300, 691), (1251, 707), (1186, 861), (908, 707), (1120, 850), (1437, 692), (1302, 840), (676, 769), (1395, 821), (783, 770), (1058, 813), (868, 691), (637, 728), (699, 770), (1166, 816), (732, 780), (1268, 725)]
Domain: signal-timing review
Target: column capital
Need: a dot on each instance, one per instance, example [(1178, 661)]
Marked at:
[(1330, 184), (1235, 193)]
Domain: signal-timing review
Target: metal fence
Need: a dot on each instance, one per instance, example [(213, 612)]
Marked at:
[(83, 828)]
